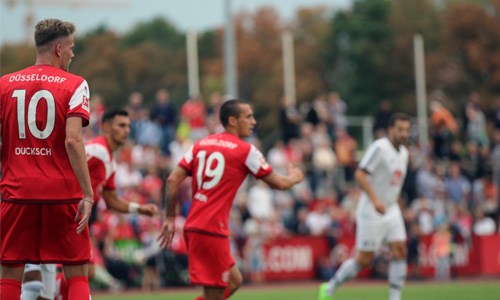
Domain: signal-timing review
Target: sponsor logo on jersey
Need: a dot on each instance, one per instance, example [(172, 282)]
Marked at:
[(263, 163), (85, 103)]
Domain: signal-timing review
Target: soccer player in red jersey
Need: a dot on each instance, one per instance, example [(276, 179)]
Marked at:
[(102, 166), (218, 164), (46, 190)]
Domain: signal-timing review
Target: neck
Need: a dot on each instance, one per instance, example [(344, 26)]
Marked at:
[(47, 60), (394, 143), (231, 130), (111, 144)]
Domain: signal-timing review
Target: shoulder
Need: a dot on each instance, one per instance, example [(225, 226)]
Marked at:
[(98, 150)]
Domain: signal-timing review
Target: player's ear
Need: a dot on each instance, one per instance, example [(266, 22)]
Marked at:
[(232, 121), (106, 126)]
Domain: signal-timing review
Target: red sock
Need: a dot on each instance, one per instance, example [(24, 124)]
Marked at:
[(78, 288), (227, 294), (63, 286), (10, 289), (199, 298)]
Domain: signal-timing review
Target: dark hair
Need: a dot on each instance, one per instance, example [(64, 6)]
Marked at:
[(111, 113), (397, 117), (50, 29), (230, 108)]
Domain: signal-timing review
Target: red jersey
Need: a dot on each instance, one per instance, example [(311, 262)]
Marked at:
[(218, 164), (102, 166), (35, 103)]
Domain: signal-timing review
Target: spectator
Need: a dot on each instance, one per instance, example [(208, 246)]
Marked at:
[(193, 112), (382, 119), (442, 245), (483, 225), (457, 186), (289, 120), (164, 114), (443, 124)]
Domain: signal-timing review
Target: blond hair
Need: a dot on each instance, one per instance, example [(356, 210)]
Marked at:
[(50, 29)]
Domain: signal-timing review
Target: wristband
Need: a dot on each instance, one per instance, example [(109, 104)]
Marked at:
[(133, 207), (89, 201)]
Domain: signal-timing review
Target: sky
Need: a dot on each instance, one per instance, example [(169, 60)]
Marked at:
[(122, 15)]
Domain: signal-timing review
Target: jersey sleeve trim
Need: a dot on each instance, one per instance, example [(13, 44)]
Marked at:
[(185, 169), (264, 174), (85, 118)]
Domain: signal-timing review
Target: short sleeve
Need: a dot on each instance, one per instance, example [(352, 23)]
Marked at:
[(371, 159), (110, 183), (79, 103), (187, 161), (257, 164)]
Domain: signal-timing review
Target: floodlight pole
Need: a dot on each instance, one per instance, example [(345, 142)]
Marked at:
[(288, 66), (418, 46), (230, 70), (192, 63)]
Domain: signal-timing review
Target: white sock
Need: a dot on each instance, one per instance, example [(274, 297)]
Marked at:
[(31, 290), (397, 277), (348, 270)]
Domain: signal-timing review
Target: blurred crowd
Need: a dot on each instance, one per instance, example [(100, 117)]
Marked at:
[(451, 189)]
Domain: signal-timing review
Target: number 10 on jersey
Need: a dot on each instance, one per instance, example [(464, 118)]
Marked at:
[(33, 103)]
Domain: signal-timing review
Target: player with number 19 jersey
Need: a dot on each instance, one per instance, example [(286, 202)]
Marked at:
[(218, 165), (35, 103)]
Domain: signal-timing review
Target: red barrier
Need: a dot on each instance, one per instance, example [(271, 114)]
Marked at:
[(293, 258), (297, 257)]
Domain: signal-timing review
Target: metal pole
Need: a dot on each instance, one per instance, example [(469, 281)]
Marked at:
[(230, 54), (288, 66), (418, 46), (192, 63)]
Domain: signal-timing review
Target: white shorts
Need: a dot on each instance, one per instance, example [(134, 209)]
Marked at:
[(372, 228), (48, 272)]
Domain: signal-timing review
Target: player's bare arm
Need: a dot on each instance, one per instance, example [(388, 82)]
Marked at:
[(116, 203), (362, 180), (284, 182), (76, 153), (168, 228)]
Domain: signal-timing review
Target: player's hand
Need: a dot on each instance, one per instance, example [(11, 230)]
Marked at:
[(379, 206), (83, 214), (295, 173), (148, 209), (167, 232)]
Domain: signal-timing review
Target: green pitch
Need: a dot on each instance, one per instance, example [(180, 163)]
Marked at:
[(416, 291)]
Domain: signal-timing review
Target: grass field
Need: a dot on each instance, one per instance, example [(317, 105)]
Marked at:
[(489, 290)]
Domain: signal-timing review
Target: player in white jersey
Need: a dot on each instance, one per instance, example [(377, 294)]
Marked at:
[(380, 175)]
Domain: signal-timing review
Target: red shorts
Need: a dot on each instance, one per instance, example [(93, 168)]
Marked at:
[(209, 259), (42, 233)]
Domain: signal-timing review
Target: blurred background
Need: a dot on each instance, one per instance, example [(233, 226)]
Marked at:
[(323, 78)]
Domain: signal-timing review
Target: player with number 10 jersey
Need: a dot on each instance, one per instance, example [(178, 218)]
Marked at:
[(38, 100)]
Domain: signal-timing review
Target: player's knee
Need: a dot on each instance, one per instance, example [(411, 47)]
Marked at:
[(91, 271), (399, 252), (235, 282), (364, 260), (32, 276)]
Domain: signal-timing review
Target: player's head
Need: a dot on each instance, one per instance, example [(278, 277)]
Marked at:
[(399, 128), (116, 126), (54, 41), (237, 117)]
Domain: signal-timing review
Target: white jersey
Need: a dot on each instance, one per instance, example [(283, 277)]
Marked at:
[(387, 170)]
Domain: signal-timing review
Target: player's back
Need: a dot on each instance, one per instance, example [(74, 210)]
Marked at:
[(218, 165), (35, 103)]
